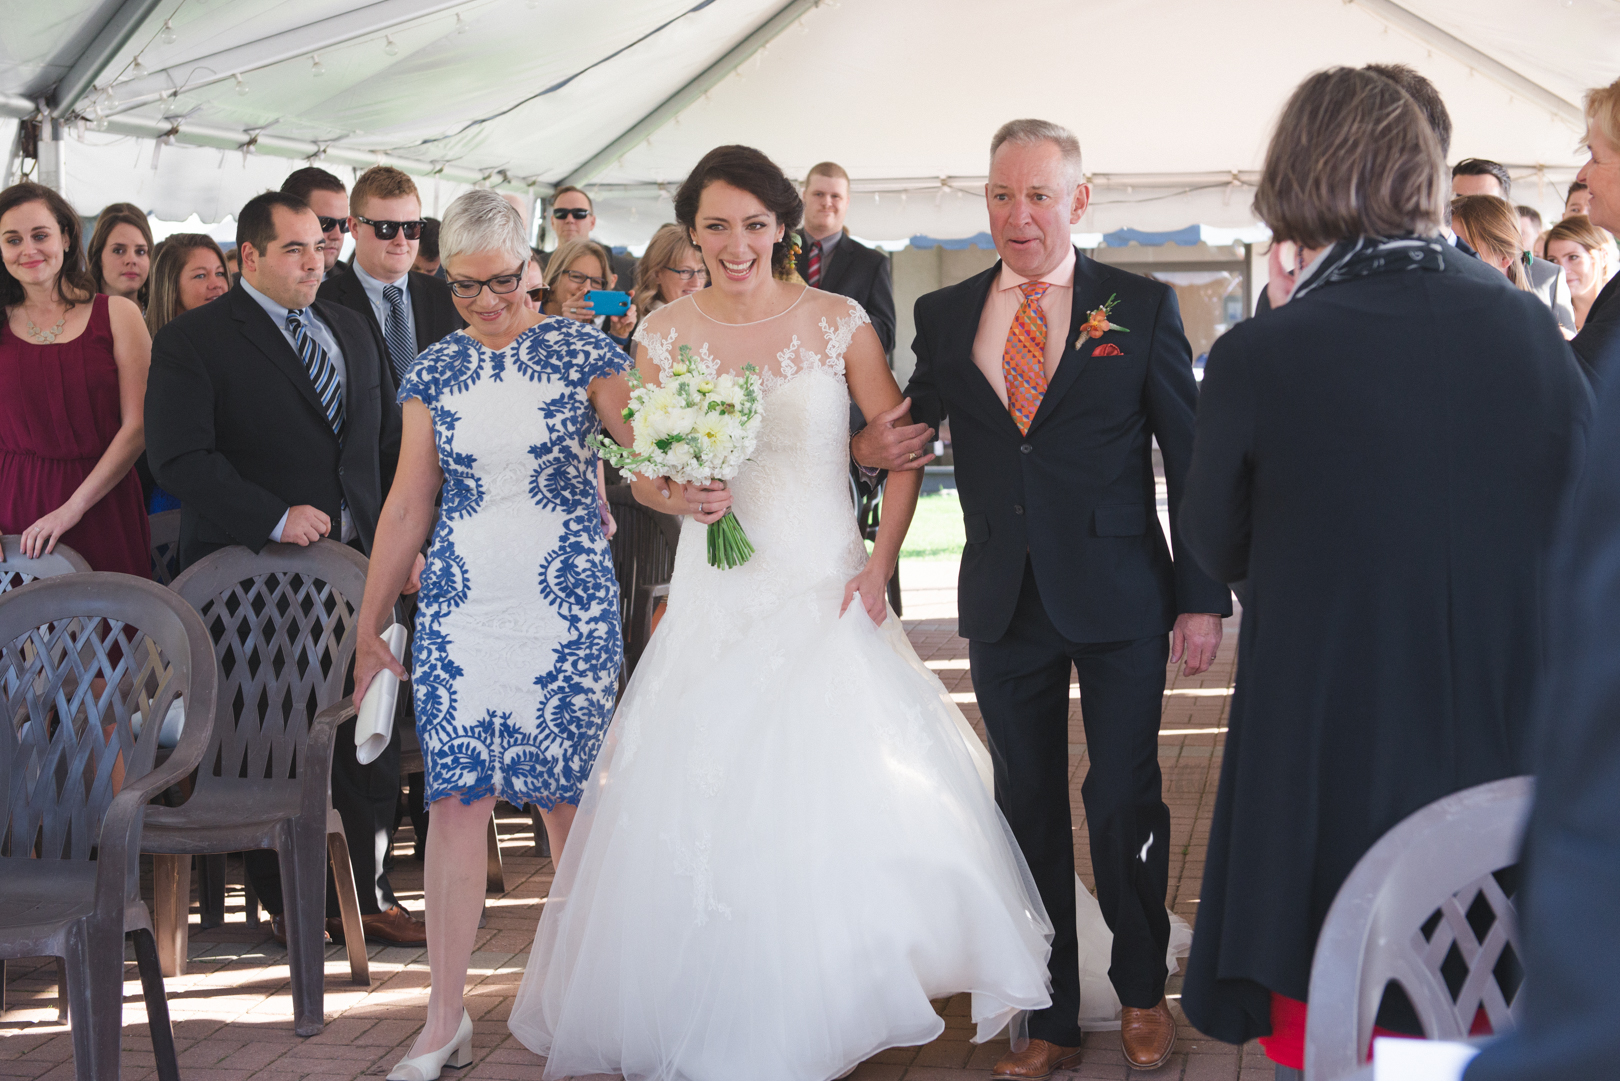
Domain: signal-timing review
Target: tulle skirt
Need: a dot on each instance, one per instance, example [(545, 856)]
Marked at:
[(787, 848)]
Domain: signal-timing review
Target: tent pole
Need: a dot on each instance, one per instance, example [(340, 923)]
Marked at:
[(115, 33), (711, 76), (1429, 34)]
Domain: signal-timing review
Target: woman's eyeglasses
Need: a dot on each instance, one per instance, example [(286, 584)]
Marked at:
[(578, 213), (385, 230), (328, 224), (688, 275), (585, 279), (468, 288)]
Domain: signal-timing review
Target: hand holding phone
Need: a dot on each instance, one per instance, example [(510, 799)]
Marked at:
[(611, 302)]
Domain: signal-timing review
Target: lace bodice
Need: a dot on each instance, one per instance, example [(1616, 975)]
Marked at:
[(793, 496)]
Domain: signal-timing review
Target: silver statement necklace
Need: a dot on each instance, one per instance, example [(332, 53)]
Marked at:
[(46, 337)]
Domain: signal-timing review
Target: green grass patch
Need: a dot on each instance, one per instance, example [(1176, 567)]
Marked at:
[(936, 529)]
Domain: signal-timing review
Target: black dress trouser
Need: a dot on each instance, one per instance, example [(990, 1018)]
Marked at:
[(366, 797), (1022, 685)]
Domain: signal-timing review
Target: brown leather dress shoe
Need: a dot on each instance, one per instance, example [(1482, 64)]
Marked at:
[(396, 927), (278, 930), (1036, 1062), (1147, 1035)]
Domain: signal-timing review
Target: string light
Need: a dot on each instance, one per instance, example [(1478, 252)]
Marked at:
[(317, 68), (137, 70), (461, 24), (167, 36), (241, 86), (390, 48)]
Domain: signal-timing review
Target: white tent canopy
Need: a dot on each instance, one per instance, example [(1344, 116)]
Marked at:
[(1173, 100)]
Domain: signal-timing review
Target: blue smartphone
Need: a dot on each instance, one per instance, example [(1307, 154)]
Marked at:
[(608, 301)]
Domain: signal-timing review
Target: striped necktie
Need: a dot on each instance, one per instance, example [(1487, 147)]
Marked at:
[(323, 373), (1023, 358), (401, 341), (815, 264)]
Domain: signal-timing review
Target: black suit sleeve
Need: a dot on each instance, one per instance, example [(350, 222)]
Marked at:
[(927, 406), (880, 303), (1215, 513), (183, 452), (1171, 403)]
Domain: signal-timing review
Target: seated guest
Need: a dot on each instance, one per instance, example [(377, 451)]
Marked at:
[(121, 253), (669, 269), (1488, 225), (1530, 229), (188, 273), (1582, 249), (233, 265), (1390, 513), (573, 217), (329, 199), (574, 269), (1478, 176), (1578, 200), (483, 616), (408, 309), (73, 366), (273, 420), (837, 262), (427, 254), (534, 281), (1597, 346)]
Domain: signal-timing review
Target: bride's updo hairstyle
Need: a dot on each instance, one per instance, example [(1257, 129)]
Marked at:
[(747, 169)]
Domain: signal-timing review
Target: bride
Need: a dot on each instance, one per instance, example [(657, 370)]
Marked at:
[(787, 846)]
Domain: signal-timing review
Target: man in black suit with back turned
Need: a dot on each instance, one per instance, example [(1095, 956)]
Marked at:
[(271, 416), (410, 311), (1065, 563)]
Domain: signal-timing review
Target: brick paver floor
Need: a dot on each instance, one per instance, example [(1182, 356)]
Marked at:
[(233, 1014)]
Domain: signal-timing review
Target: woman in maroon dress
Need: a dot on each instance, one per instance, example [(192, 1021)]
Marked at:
[(72, 392)]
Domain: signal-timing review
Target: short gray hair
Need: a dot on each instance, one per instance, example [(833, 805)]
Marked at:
[(482, 220), (1043, 131)]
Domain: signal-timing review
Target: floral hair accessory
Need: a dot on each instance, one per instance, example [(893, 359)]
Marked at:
[(1097, 324)]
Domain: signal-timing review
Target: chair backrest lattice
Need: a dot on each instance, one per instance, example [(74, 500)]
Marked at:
[(165, 526), (284, 626), (80, 661), (17, 569), (1430, 908), (643, 555)]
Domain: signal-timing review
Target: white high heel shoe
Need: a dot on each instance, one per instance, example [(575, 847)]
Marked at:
[(456, 1053)]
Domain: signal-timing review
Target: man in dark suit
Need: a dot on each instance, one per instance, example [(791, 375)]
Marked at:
[(271, 415), (835, 261), (1479, 176), (329, 199), (573, 217), (1065, 563), (408, 310)]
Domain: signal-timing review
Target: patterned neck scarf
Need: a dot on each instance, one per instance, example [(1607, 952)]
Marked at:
[(1363, 256)]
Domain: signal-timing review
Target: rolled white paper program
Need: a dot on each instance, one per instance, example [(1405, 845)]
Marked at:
[(375, 725)]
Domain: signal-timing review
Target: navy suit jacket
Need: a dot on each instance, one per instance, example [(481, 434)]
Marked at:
[(1075, 496)]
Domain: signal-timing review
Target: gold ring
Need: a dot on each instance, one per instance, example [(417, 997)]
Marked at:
[(912, 457)]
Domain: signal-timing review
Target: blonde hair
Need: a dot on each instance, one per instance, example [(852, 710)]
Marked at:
[(668, 244), (1491, 225), (165, 277), (569, 252), (1603, 111), (1352, 156), (381, 182)]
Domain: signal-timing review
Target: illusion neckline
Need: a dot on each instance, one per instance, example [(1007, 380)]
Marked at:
[(752, 322)]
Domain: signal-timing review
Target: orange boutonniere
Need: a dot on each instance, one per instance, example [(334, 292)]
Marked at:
[(1097, 323)]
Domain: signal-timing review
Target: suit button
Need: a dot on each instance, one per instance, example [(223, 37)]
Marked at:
[(1026, 448), (1018, 508)]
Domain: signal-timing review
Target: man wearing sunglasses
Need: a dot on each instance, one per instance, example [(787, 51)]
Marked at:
[(329, 199), (573, 217), (410, 310)]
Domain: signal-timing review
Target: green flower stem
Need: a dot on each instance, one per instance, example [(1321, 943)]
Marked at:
[(728, 544)]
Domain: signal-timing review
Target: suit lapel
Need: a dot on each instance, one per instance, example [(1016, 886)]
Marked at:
[(267, 338), (1089, 277), (350, 363), (417, 285), (832, 276), (978, 392)]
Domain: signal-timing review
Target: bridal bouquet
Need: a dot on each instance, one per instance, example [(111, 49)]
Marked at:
[(694, 428)]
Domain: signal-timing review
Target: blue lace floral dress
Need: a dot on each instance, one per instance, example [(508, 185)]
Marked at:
[(518, 646)]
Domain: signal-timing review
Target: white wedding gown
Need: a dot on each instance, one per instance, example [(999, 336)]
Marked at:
[(787, 846)]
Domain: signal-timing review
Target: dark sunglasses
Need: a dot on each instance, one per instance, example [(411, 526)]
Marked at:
[(467, 288), (385, 230), (585, 279), (688, 275), (578, 213), (328, 224), (538, 293)]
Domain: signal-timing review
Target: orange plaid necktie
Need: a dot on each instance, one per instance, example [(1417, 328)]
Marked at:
[(1023, 360)]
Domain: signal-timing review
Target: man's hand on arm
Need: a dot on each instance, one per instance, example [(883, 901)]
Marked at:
[(302, 525), (1197, 636), (882, 445)]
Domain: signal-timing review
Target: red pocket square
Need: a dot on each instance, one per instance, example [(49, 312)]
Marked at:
[(1108, 349)]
